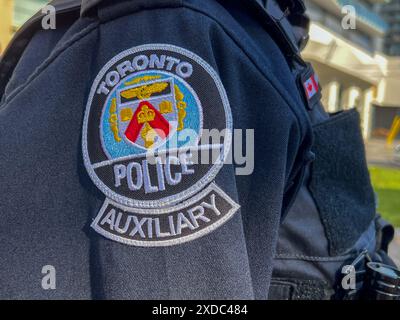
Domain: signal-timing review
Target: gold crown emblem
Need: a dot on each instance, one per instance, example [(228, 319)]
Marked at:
[(146, 115)]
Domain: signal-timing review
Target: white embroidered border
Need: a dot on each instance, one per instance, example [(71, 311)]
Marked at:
[(199, 184), (159, 153), (165, 243), (138, 74)]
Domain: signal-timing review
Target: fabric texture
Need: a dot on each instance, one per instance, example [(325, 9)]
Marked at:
[(48, 201), (340, 181), (290, 289)]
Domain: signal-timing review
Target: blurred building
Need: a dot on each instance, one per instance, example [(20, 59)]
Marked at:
[(391, 13), (13, 14), (388, 107), (352, 66)]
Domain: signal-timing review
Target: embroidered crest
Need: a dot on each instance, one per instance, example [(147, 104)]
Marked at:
[(143, 134)]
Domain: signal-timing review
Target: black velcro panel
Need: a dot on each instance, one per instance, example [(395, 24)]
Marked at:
[(299, 289), (340, 181)]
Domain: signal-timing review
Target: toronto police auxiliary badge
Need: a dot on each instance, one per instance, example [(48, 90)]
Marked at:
[(149, 144)]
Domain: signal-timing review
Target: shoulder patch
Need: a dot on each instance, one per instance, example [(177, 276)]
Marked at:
[(149, 144)]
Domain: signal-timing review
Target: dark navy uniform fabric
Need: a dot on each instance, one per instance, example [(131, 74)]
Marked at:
[(287, 240), (47, 201)]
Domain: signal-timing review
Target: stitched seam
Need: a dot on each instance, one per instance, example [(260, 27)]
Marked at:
[(290, 281), (41, 68), (93, 26), (311, 258), (292, 105), (344, 115)]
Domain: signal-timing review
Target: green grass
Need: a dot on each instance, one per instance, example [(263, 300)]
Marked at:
[(386, 182)]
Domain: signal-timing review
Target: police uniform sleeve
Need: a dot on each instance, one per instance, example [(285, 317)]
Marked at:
[(137, 194)]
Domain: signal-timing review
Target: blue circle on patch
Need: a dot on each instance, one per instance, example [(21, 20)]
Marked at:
[(150, 111)]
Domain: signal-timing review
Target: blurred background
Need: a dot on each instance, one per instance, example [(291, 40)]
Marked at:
[(357, 68), (361, 68)]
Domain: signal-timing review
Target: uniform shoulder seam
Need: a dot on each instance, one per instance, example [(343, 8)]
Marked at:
[(76, 38), (287, 99)]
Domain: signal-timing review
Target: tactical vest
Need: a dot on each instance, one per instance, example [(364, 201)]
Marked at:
[(332, 222), (328, 217)]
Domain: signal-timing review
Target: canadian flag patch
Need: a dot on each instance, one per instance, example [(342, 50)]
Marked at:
[(311, 86)]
